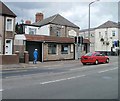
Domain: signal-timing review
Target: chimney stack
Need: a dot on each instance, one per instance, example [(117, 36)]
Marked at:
[(39, 17), (27, 22)]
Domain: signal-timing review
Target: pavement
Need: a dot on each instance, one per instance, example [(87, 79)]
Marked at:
[(42, 64), (39, 64)]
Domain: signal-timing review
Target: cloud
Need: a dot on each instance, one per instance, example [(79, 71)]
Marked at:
[(76, 12)]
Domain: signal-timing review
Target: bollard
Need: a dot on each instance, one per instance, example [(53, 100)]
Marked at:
[(26, 57)]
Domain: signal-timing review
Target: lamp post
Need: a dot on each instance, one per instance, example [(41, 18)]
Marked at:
[(89, 19)]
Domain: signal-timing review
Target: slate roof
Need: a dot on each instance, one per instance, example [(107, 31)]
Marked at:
[(5, 11), (84, 30), (109, 24), (56, 19)]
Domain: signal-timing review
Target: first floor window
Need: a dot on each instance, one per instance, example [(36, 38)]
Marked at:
[(32, 31), (51, 48), (64, 49), (113, 33), (99, 34), (9, 24)]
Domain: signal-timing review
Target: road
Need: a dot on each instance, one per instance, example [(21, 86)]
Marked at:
[(69, 80)]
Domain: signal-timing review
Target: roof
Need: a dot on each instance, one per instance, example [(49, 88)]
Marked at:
[(43, 38), (5, 11), (84, 30), (56, 19), (109, 24), (49, 39)]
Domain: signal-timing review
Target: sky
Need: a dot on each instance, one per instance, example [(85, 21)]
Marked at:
[(75, 11)]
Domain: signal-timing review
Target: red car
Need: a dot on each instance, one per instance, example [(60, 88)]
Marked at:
[(94, 58)]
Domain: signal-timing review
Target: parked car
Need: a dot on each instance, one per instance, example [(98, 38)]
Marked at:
[(94, 58)]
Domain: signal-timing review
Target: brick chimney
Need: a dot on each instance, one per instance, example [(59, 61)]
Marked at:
[(27, 22), (39, 17)]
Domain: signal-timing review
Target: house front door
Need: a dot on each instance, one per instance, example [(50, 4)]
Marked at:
[(8, 47)]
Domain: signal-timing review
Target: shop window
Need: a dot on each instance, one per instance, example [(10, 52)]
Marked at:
[(64, 49), (52, 48)]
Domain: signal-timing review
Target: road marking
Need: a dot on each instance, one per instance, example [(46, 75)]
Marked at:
[(107, 70), (53, 81)]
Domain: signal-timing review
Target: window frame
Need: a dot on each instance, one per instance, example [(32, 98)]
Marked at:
[(9, 29), (113, 33), (33, 30), (63, 50), (51, 45)]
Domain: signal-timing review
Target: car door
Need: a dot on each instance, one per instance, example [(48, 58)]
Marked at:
[(103, 59), (98, 57)]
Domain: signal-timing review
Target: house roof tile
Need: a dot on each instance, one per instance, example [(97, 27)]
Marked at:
[(56, 19), (41, 38), (109, 24), (5, 11)]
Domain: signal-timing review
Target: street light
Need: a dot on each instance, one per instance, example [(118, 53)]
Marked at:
[(89, 19)]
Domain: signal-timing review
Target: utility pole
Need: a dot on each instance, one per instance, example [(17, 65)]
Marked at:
[(89, 19)]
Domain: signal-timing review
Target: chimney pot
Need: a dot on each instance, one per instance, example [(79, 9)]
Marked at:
[(27, 22), (39, 17)]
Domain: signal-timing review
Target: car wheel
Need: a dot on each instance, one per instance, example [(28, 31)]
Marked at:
[(96, 62), (107, 61)]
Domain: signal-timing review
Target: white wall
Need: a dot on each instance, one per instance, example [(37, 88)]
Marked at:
[(27, 29), (44, 30), (99, 46)]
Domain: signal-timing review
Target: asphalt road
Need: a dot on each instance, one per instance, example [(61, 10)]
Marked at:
[(63, 81)]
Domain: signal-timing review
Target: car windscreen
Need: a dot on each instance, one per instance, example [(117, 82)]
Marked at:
[(88, 54)]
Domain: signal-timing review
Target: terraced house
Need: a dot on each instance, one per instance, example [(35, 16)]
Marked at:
[(104, 38), (7, 31), (53, 37)]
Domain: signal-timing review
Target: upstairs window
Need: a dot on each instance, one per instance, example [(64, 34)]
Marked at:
[(9, 24), (113, 33), (58, 33), (105, 33), (100, 35), (32, 31)]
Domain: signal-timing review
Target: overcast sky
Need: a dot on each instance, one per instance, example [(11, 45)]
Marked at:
[(76, 12)]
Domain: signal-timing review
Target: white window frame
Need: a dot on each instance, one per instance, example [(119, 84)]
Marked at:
[(32, 31), (113, 33), (11, 29)]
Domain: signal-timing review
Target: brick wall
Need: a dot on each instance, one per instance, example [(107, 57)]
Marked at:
[(58, 56), (9, 59)]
